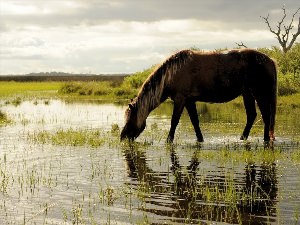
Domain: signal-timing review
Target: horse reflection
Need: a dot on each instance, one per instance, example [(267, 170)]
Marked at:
[(183, 188)]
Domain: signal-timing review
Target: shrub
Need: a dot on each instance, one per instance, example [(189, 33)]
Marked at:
[(125, 92), (136, 80), (287, 84), (101, 92), (69, 88), (102, 88)]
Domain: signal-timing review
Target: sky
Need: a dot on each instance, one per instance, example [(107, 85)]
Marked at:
[(125, 36)]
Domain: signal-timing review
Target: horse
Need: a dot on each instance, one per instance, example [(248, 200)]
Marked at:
[(215, 77)]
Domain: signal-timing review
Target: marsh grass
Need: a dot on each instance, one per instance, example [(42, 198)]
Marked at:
[(87, 88), (30, 89), (4, 118), (222, 200), (232, 152), (94, 138)]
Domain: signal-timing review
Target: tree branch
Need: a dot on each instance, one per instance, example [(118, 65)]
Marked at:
[(283, 32), (294, 36), (267, 22), (241, 45)]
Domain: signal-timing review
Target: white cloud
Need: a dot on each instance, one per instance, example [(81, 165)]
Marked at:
[(114, 36), (125, 46)]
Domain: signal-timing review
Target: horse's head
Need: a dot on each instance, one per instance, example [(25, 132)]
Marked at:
[(133, 127)]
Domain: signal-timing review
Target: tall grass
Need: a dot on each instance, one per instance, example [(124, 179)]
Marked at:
[(4, 118), (87, 88), (107, 89), (12, 88), (70, 137)]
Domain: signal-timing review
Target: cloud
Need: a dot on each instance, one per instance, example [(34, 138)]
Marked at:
[(117, 46), (124, 36), (74, 13)]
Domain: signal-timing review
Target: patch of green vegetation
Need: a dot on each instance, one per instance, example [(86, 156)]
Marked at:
[(105, 89), (94, 138), (260, 155), (3, 118), (79, 137), (289, 100), (12, 88), (288, 84), (87, 88)]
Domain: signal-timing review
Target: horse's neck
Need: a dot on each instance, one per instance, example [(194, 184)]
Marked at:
[(148, 101), (146, 105)]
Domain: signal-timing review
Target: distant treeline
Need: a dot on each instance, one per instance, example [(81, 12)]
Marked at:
[(56, 76)]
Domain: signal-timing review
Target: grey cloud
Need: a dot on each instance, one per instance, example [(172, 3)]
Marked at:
[(57, 35), (234, 12)]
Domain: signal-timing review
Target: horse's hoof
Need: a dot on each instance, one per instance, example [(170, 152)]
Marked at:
[(200, 140), (169, 140), (268, 145), (243, 138)]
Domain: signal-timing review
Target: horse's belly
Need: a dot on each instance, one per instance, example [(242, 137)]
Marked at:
[(217, 95), (217, 98)]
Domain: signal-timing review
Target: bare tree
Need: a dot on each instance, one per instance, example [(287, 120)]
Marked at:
[(284, 32)]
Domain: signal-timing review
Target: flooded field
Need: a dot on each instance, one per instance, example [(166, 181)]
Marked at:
[(62, 163)]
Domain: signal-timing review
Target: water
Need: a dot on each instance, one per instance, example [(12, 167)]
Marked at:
[(146, 182)]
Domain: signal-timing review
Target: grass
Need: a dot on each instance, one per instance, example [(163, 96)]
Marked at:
[(96, 138), (3, 118), (79, 137), (221, 200), (11, 88), (289, 100), (70, 137), (92, 89)]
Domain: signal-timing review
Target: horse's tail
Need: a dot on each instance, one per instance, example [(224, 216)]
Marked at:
[(273, 101)]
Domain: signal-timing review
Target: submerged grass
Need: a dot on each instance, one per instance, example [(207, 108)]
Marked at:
[(71, 137), (259, 155), (199, 197), (230, 153), (4, 118), (80, 137)]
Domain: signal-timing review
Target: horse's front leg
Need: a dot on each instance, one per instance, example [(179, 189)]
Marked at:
[(177, 111)]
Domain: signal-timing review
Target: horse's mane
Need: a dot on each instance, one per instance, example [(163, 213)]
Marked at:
[(150, 94)]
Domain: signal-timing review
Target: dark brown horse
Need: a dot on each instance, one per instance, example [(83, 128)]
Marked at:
[(190, 76)]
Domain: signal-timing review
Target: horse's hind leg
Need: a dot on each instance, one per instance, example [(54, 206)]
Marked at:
[(249, 103), (264, 107), (192, 110)]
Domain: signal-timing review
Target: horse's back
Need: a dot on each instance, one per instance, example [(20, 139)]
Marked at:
[(221, 77)]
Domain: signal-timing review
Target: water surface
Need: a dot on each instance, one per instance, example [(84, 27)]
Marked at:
[(147, 181)]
